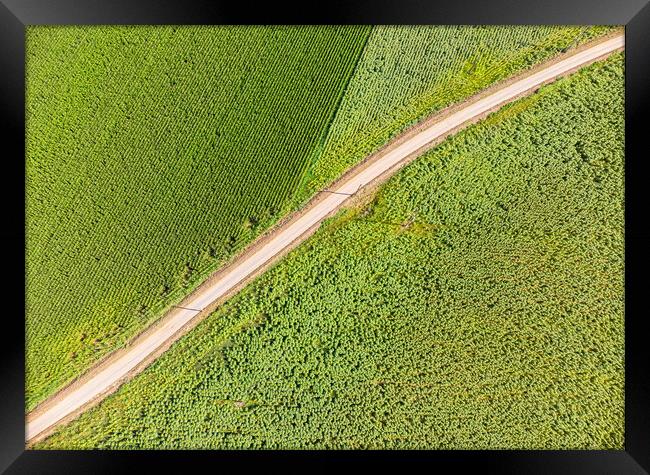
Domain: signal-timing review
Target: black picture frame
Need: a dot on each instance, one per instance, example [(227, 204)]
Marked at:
[(15, 15)]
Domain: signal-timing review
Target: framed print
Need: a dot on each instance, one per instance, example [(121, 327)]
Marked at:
[(367, 232)]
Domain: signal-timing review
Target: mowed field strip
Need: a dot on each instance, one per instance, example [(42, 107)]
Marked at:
[(122, 364)]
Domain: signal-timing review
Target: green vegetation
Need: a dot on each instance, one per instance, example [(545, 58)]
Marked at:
[(408, 73), (153, 154), (475, 302)]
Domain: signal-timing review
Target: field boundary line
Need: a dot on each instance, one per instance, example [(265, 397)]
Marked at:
[(322, 141)]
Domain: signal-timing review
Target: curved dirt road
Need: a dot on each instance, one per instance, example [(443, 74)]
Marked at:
[(107, 376)]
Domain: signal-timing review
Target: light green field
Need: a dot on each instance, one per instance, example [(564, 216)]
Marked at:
[(408, 73), (476, 302)]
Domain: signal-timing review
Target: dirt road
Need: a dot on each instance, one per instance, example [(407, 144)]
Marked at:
[(105, 378)]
